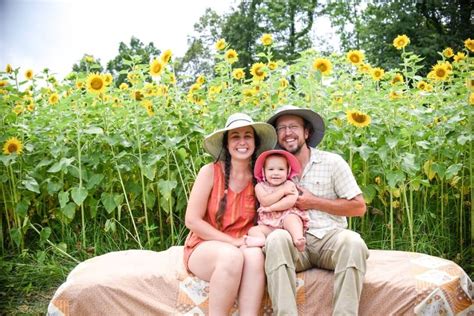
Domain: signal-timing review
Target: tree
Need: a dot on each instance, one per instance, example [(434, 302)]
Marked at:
[(431, 25), (137, 53), (198, 58), (288, 21)]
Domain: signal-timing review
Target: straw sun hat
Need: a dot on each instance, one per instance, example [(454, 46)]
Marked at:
[(214, 141), (309, 115)]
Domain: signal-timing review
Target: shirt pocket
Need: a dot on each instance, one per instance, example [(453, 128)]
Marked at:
[(320, 186)]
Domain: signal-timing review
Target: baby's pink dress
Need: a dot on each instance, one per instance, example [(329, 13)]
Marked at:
[(275, 219)]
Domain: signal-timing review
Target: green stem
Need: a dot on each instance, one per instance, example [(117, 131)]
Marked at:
[(142, 178), (79, 161), (410, 219)]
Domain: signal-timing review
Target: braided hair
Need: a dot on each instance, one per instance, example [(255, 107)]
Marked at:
[(227, 169)]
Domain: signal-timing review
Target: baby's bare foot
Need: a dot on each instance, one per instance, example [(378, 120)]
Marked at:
[(251, 241), (300, 244)]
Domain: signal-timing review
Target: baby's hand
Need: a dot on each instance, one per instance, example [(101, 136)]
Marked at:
[(264, 209)]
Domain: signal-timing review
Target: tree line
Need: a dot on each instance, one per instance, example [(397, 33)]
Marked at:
[(370, 26)]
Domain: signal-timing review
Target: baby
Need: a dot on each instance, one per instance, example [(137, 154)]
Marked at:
[(277, 195)]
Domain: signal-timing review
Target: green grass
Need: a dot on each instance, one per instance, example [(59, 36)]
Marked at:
[(29, 281)]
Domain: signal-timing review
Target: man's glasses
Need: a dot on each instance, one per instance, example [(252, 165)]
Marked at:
[(282, 129)]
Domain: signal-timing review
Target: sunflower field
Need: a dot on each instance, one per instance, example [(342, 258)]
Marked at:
[(88, 166)]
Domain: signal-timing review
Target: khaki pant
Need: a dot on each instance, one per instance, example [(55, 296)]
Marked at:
[(340, 250)]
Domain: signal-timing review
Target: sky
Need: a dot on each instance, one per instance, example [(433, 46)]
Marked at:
[(35, 34), (57, 33)]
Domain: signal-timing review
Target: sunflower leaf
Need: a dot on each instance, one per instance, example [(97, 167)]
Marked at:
[(79, 195)]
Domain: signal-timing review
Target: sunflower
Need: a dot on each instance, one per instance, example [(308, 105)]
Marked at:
[(266, 39), (394, 95), (377, 73), (156, 67), (272, 65), (460, 56), (95, 83), (8, 69), (12, 145), (215, 90), (18, 109), (123, 86), (79, 84), (398, 78), (137, 95), (166, 56), (30, 107), (440, 72), (201, 80), (422, 85), (29, 74), (448, 52), (471, 98), (221, 44), (238, 73), (3, 83), (108, 79), (323, 65), (365, 68), (401, 41), (283, 83), (89, 59), (194, 87), (469, 44), (133, 77), (358, 119), (470, 82), (162, 90), (258, 71), (355, 57), (53, 98), (231, 56)]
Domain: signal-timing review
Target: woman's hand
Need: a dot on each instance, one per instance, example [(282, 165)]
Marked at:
[(237, 242)]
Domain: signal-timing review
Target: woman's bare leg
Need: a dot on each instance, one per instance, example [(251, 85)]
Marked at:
[(221, 264), (294, 225), (252, 284)]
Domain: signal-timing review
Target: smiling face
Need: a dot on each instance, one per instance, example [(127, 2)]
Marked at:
[(275, 170), (291, 133), (241, 142)]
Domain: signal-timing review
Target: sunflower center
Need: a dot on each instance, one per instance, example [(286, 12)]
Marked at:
[(156, 68), (440, 72), (259, 72), (97, 83), (322, 67), (12, 148), (355, 59), (358, 117)]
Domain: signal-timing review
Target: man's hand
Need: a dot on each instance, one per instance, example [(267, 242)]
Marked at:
[(305, 198)]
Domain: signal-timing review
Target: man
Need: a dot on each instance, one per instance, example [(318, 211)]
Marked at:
[(329, 191)]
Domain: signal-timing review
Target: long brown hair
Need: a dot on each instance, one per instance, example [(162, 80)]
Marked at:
[(227, 168)]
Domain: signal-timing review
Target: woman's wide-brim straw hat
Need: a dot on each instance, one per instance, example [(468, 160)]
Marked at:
[(309, 115), (214, 141), (293, 164)]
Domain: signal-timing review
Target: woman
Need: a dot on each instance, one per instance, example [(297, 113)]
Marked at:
[(220, 212)]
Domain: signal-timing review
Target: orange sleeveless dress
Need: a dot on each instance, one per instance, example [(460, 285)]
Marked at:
[(238, 217)]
